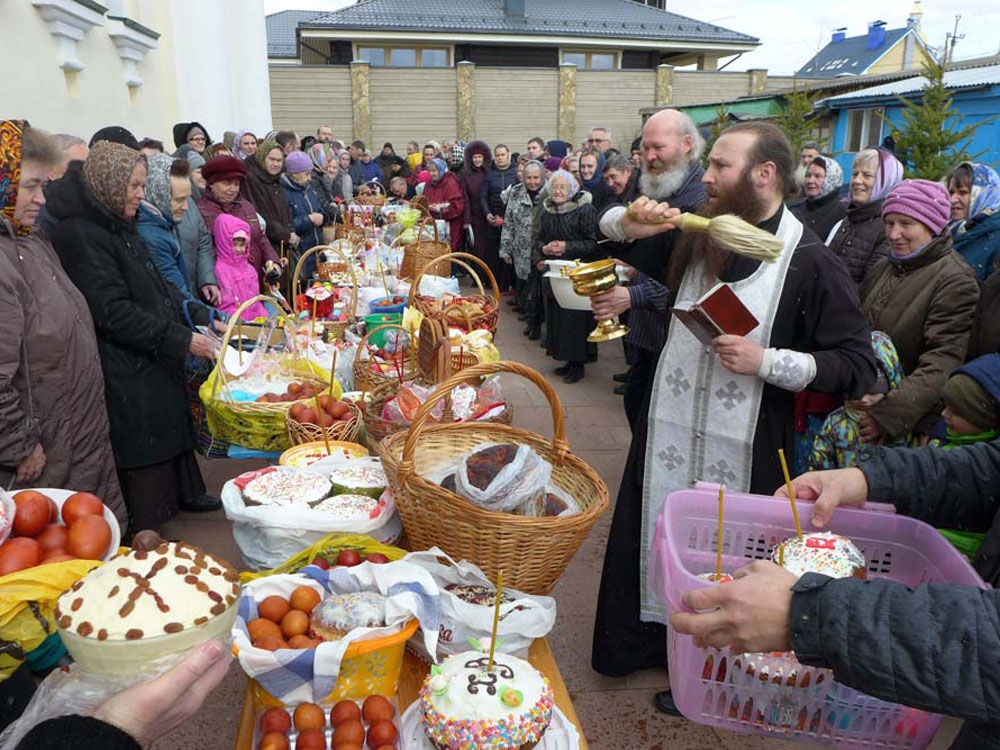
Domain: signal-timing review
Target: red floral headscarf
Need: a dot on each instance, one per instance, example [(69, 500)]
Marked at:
[(10, 169)]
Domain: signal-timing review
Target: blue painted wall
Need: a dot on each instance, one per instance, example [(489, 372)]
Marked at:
[(975, 106)]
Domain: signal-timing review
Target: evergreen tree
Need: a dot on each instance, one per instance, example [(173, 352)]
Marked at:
[(933, 138), (720, 123), (795, 120)]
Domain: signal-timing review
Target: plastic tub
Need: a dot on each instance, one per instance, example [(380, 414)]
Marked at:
[(126, 657), (380, 319), (728, 691), (306, 454), (393, 309)]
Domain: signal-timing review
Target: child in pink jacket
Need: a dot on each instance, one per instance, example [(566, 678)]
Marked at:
[(237, 278)]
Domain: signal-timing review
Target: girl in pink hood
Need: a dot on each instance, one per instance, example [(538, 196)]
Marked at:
[(237, 278)]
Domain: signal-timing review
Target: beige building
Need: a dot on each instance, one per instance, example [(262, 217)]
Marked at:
[(499, 70), (77, 65)]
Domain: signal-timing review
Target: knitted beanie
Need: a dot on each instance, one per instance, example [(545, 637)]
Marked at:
[(969, 400), (298, 161), (923, 200)]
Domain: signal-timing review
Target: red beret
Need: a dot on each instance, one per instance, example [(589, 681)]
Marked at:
[(223, 168)]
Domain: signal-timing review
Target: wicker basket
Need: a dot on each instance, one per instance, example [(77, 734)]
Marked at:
[(532, 552), (345, 430), (366, 379), (254, 424), (455, 315), (423, 255), (371, 194), (342, 267), (335, 328), (435, 358)]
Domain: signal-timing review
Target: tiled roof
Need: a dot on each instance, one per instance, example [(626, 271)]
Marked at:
[(281, 31), (591, 18), (850, 57)]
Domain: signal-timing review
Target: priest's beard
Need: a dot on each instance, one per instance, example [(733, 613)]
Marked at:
[(663, 185), (740, 200), (800, 177)]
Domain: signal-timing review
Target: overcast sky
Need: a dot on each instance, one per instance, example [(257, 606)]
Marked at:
[(791, 31)]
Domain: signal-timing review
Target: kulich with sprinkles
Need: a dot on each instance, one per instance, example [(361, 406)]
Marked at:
[(825, 553), (338, 615), (464, 706)]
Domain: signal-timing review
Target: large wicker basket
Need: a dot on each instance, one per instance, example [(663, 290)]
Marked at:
[(435, 357), (424, 256), (335, 328), (371, 194), (455, 315), (346, 430), (532, 552), (366, 378), (254, 424)]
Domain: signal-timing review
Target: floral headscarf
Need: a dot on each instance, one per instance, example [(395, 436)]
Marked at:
[(106, 172), (834, 176), (10, 169), (158, 183), (887, 358), (985, 196)]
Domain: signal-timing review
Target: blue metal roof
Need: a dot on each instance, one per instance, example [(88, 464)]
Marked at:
[(850, 57), (591, 18)]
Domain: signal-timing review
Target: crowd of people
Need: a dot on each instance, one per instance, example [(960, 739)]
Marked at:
[(877, 327)]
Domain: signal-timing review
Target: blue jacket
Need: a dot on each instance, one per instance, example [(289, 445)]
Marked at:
[(979, 245), (197, 248), (497, 180), (370, 171), (302, 201)]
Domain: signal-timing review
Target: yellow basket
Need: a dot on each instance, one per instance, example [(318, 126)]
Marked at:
[(368, 668), (328, 546)]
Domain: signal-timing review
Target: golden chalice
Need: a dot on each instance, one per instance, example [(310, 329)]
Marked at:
[(596, 278)]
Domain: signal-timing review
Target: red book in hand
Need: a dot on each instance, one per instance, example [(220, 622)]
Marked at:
[(718, 312)]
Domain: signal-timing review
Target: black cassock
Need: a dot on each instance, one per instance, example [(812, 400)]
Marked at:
[(819, 312)]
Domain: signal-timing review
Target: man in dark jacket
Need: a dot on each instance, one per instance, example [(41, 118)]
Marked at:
[(934, 646), (499, 177)]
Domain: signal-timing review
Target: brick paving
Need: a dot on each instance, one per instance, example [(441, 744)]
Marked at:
[(617, 714)]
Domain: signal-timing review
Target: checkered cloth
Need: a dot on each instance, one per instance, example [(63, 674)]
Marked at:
[(311, 674)]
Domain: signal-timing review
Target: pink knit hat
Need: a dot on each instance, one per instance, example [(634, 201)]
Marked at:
[(923, 200)]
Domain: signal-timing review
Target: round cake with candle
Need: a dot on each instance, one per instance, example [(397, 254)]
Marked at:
[(466, 706), (823, 552)]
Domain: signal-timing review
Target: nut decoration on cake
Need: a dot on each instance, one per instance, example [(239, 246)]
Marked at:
[(145, 594), (829, 554), (465, 706)]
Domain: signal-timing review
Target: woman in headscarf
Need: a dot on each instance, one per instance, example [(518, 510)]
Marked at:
[(515, 243), (478, 161), (262, 188), (325, 185), (565, 229), (446, 200), (346, 181), (192, 134), (859, 239), (225, 177), (924, 297), (975, 215), (53, 417), (821, 209), (246, 144), (142, 336), (592, 177)]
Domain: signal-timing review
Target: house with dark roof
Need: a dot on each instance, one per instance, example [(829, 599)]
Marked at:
[(880, 50), (500, 70)]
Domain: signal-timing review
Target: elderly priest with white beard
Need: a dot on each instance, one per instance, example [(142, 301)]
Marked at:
[(720, 412)]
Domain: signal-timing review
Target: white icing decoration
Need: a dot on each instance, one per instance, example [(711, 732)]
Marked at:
[(481, 705)]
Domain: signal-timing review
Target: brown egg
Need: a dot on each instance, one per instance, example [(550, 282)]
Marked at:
[(304, 599), (31, 513), (81, 504), (270, 643), (53, 537), (294, 623), (309, 716), (261, 627), (19, 553), (311, 739), (296, 411), (338, 409), (308, 417), (273, 608), (273, 741), (89, 538), (349, 731), (302, 641), (344, 711), (377, 708), (382, 733)]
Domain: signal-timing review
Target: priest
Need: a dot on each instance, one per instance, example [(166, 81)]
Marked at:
[(720, 412)]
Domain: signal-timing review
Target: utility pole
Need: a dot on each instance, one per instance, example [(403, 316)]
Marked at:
[(950, 41)]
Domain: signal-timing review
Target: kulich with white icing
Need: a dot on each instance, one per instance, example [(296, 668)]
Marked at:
[(284, 487), (363, 476), (349, 507), (825, 553), (338, 615), (464, 706), (148, 594)]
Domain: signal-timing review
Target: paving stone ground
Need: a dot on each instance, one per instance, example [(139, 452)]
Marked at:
[(617, 714)]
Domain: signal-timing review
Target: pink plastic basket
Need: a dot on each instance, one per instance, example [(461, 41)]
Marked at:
[(772, 694)]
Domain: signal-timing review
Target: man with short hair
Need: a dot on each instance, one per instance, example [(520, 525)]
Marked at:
[(719, 412), (810, 150), (536, 148), (356, 150), (73, 148), (324, 134), (620, 176), (600, 138), (499, 177), (288, 140)]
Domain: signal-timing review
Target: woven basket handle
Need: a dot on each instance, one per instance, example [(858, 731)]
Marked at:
[(458, 309), (560, 448), (424, 223), (234, 321), (347, 262), (456, 259), (364, 339)]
